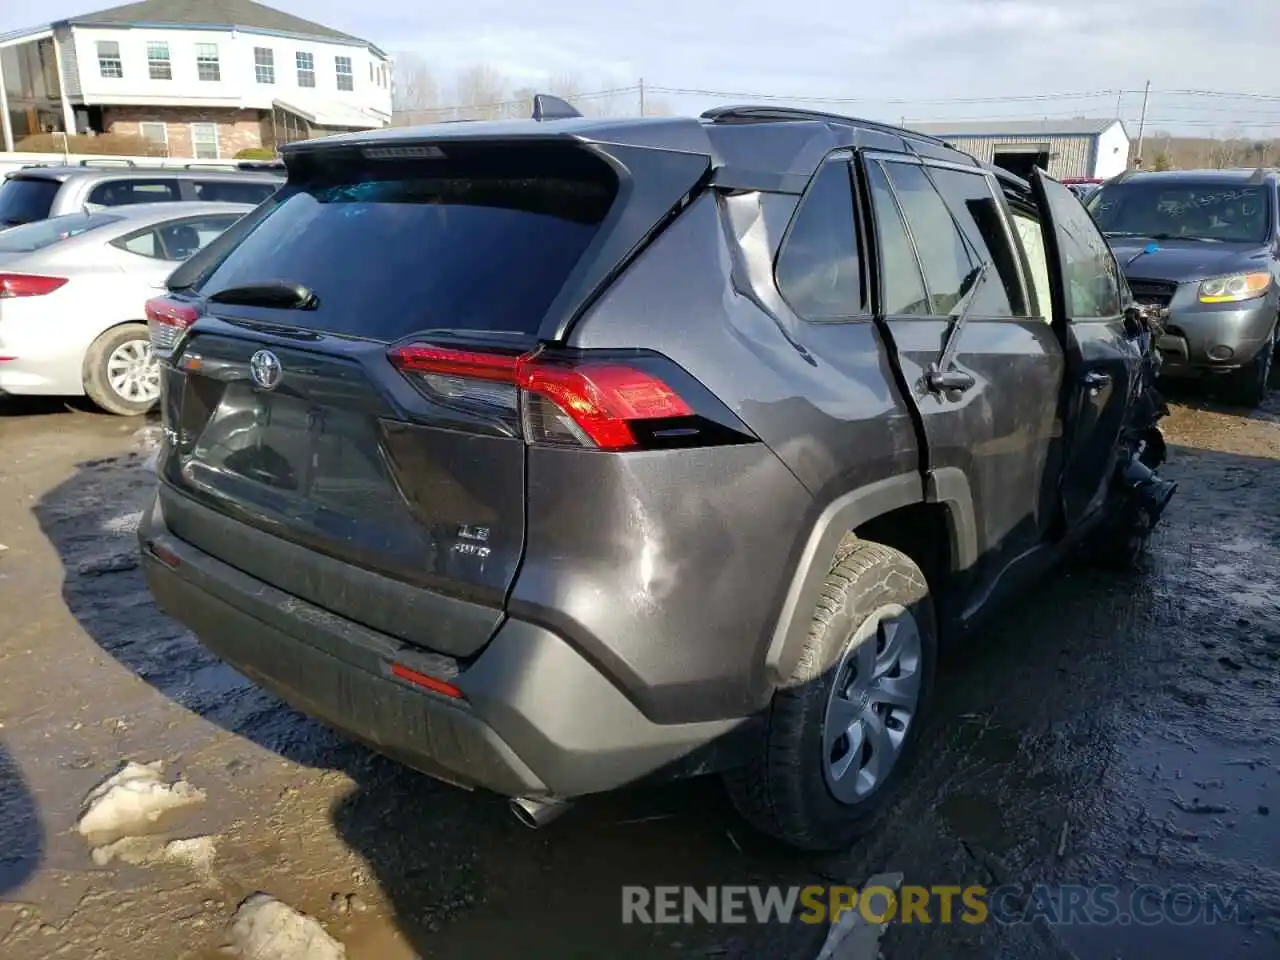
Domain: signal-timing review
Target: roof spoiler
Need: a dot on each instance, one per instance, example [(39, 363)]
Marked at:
[(547, 107)]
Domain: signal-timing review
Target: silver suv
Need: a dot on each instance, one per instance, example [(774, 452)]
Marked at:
[(36, 192)]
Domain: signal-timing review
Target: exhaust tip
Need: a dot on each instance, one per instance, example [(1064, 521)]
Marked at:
[(535, 813)]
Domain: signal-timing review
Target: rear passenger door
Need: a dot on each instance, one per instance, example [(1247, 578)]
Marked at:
[(993, 441), (1103, 357)]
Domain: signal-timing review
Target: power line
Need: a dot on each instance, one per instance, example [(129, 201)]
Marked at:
[(771, 97)]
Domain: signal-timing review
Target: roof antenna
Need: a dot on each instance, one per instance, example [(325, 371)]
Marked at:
[(547, 107)]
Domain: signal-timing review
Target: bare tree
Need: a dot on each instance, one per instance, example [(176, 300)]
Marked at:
[(480, 92), (415, 95)]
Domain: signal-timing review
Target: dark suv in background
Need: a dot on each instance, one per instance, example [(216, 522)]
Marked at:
[(1202, 247), (549, 456)]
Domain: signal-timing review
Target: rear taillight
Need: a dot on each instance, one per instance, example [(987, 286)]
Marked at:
[(28, 285), (168, 320), (606, 404)]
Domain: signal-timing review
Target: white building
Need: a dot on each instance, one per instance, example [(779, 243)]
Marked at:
[(1066, 149), (198, 78)]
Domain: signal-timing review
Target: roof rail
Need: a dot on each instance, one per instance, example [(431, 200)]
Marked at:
[(750, 113), (107, 162), (547, 107), (209, 166)]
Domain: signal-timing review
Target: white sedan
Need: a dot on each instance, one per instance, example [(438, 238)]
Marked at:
[(72, 292)]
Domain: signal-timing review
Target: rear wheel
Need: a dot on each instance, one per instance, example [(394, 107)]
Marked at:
[(120, 373), (841, 735), (1249, 385)]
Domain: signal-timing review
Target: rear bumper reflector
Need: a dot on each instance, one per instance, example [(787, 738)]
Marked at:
[(434, 684)]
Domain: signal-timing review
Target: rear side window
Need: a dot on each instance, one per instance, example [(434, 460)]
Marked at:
[(819, 271), (119, 193), (981, 218), (390, 249), (24, 199), (44, 233), (175, 241), (233, 191)]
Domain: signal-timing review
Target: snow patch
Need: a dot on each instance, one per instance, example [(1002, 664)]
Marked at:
[(266, 929), (124, 524), (195, 852), (133, 799)]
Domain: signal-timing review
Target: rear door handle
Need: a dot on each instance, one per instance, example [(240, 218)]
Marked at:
[(1095, 380)]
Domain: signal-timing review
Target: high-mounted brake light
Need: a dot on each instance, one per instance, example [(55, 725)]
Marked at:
[(28, 285), (168, 320), (582, 402)]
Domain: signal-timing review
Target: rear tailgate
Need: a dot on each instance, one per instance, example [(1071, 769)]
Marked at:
[(301, 455)]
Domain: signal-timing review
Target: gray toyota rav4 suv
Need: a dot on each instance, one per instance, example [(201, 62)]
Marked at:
[(550, 456)]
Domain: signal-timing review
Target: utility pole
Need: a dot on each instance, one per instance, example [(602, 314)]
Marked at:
[(642, 96), (1142, 122)]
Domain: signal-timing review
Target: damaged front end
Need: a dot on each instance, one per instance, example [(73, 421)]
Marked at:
[(1142, 495)]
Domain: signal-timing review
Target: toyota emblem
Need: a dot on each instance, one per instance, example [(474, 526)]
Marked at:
[(265, 370)]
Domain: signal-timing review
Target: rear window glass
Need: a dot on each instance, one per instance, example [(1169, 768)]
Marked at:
[(121, 193), (234, 191), (45, 233), (403, 252), (24, 199)]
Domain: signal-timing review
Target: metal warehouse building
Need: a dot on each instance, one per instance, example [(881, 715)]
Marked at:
[(1065, 148)]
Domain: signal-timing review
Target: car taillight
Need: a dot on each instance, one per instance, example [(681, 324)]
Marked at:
[(28, 285), (167, 321), (606, 404)]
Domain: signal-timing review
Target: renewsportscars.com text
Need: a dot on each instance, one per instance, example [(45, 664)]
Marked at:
[(1009, 904)]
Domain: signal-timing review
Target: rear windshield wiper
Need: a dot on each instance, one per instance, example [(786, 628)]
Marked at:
[(276, 294)]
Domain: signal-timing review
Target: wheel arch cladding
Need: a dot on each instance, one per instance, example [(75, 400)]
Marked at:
[(843, 515)]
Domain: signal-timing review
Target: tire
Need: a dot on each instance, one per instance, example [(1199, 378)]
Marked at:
[(786, 789), (98, 377), (1248, 386)]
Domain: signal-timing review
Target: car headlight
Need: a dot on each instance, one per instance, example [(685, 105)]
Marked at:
[(1238, 286)]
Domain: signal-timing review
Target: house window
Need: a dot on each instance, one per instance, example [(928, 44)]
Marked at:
[(342, 67), (158, 61), (204, 140), (109, 64), (306, 70), (264, 64), (372, 78), (207, 67), (155, 133)]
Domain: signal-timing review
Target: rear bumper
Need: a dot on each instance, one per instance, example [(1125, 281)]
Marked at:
[(536, 718)]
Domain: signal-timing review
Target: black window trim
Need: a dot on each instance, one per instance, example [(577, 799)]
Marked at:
[(845, 156)]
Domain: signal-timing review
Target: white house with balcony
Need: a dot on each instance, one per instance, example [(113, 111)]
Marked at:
[(197, 78)]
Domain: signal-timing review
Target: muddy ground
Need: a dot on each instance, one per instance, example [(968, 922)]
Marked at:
[(1109, 729)]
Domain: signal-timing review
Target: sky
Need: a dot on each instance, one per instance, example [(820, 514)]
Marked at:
[(919, 60)]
